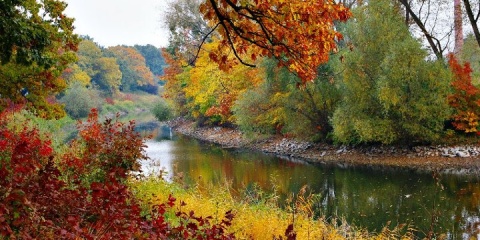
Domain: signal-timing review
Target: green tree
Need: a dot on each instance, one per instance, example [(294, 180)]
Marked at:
[(390, 92), (36, 44), (282, 104), (153, 58), (471, 53), (79, 100)]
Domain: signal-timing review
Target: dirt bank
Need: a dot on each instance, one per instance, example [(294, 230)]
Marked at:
[(444, 159)]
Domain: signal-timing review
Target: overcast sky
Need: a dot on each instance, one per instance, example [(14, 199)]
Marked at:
[(118, 22)]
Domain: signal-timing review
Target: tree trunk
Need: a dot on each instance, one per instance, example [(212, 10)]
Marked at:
[(431, 39), (473, 19), (457, 18)]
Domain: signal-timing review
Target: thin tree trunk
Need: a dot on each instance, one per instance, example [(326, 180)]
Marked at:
[(473, 19), (431, 39), (458, 26)]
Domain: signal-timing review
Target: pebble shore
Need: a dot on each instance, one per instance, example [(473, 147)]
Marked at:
[(464, 160)]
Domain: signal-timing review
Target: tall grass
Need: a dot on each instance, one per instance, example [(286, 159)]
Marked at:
[(258, 219)]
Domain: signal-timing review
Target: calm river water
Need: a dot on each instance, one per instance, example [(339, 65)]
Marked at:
[(364, 197)]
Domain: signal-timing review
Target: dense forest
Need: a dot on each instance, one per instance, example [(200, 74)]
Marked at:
[(342, 72)]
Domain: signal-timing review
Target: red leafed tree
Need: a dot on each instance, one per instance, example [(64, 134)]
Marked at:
[(466, 97), (300, 33)]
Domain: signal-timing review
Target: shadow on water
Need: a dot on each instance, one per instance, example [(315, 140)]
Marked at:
[(364, 197)]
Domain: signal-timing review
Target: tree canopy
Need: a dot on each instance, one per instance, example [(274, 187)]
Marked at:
[(36, 44), (299, 33)]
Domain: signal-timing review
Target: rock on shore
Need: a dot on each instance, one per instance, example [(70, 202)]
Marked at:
[(445, 159)]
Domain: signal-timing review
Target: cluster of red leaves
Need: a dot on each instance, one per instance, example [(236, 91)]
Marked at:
[(465, 99), (224, 110), (39, 201)]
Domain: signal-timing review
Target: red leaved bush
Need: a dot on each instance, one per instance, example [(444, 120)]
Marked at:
[(465, 99), (82, 193)]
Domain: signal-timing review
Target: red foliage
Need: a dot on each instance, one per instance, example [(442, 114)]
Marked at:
[(110, 101), (36, 202), (466, 97)]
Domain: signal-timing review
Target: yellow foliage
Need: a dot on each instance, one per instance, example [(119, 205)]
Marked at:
[(213, 89), (262, 220)]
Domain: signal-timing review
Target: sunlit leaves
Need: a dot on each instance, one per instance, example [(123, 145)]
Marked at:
[(212, 91), (300, 34)]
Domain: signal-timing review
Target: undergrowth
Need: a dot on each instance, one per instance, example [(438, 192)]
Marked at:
[(258, 218)]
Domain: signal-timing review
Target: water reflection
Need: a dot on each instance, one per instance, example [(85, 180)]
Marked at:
[(364, 197)]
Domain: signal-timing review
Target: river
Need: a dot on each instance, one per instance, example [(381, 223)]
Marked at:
[(365, 197)]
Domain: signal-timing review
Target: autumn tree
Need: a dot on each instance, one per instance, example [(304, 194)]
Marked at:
[(212, 92), (104, 71), (300, 34), (36, 44), (174, 83), (75, 74), (135, 72), (465, 98), (390, 92)]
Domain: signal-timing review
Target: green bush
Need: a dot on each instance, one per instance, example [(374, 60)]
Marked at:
[(79, 100), (162, 111), (391, 93)]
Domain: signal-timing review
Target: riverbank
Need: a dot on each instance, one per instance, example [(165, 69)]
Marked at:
[(463, 160)]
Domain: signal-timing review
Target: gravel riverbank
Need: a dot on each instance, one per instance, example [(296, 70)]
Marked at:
[(463, 160)]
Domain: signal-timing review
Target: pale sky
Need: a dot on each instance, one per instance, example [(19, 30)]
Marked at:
[(120, 22)]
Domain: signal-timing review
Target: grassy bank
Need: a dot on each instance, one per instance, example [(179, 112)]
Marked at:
[(255, 217)]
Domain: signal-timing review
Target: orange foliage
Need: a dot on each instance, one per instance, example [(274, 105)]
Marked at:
[(300, 33), (466, 97)]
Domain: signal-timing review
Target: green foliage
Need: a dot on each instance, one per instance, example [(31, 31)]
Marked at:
[(390, 92), (471, 53), (79, 100), (162, 111), (153, 58), (253, 110), (36, 44), (29, 29), (282, 103)]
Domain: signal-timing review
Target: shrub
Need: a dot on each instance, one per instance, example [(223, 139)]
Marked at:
[(162, 111), (79, 100), (391, 93)]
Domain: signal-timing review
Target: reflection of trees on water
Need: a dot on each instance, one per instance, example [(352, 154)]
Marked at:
[(364, 197)]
